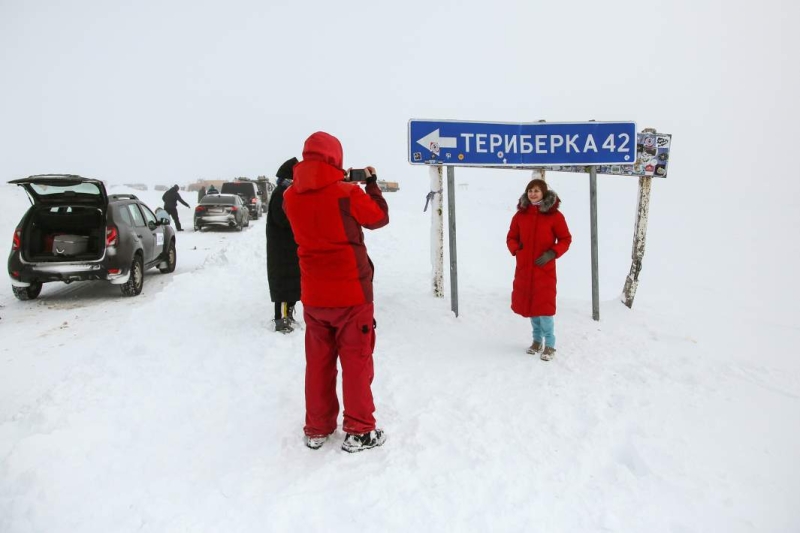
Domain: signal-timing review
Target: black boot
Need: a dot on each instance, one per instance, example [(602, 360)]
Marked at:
[(283, 325)]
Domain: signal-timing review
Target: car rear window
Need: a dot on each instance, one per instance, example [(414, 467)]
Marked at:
[(246, 189), (218, 200), (47, 190)]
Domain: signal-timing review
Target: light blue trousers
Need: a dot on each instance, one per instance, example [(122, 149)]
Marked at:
[(544, 327)]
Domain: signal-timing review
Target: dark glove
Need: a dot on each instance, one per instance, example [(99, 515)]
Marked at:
[(545, 258), (371, 179)]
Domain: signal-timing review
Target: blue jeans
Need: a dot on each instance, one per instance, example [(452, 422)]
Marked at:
[(544, 327)]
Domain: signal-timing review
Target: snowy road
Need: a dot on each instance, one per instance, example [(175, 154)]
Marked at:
[(180, 409)]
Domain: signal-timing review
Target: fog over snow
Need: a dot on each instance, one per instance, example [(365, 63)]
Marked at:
[(180, 409)]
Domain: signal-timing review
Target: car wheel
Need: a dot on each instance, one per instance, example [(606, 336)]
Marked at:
[(31, 292), (172, 258), (133, 287)]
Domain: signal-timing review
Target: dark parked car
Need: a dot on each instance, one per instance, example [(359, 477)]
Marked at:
[(74, 231), (221, 210), (251, 197)]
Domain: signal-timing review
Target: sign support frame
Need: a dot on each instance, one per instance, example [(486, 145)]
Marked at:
[(656, 147)]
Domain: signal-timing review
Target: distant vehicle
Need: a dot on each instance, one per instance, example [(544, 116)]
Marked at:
[(265, 188), (388, 186), (74, 231), (248, 190), (160, 188), (221, 210)]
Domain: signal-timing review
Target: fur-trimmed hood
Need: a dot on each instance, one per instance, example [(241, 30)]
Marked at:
[(549, 203)]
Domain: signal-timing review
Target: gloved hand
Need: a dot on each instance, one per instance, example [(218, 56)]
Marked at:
[(372, 176), (545, 258)]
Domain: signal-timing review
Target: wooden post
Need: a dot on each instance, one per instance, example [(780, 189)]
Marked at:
[(437, 231), (639, 234)]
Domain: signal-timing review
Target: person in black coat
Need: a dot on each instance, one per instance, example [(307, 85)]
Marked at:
[(171, 199), (283, 268)]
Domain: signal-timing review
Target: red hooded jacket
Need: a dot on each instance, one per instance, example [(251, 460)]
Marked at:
[(534, 230), (327, 215)]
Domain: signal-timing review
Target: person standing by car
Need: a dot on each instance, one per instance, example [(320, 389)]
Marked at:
[(200, 193), (283, 268), (171, 199), (327, 216)]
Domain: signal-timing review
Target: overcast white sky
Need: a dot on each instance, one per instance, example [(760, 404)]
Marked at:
[(168, 92), (173, 91)]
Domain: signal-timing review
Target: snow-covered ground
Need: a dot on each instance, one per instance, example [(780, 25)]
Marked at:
[(180, 409)]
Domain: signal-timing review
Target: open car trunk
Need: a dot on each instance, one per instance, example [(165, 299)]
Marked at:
[(64, 233)]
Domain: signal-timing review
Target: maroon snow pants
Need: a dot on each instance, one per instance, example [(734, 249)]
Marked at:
[(349, 333)]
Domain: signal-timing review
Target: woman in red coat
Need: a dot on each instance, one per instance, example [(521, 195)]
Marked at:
[(537, 236)]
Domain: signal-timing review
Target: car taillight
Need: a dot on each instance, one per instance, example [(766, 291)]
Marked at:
[(15, 274), (234, 209), (199, 209), (17, 242), (111, 235), (113, 271), (252, 200)]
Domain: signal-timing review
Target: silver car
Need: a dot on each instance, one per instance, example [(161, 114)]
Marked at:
[(226, 210)]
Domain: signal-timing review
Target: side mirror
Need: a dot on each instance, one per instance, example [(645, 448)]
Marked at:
[(152, 225), (162, 216)]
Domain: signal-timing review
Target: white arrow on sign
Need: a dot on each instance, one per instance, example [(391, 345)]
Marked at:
[(442, 142)]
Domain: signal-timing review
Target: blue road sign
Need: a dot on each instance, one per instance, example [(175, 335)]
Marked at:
[(492, 144)]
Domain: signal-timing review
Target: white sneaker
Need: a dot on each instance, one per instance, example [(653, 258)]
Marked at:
[(316, 442)]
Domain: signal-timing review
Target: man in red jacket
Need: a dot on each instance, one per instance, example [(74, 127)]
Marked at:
[(327, 215)]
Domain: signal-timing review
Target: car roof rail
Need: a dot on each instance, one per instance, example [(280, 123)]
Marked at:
[(122, 196)]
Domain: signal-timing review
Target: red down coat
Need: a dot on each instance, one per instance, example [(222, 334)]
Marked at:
[(327, 215), (534, 230)]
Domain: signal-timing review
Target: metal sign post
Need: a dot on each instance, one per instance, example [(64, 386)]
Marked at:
[(595, 262), (451, 222)]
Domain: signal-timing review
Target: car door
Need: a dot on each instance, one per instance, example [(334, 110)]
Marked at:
[(142, 232), (157, 233)]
